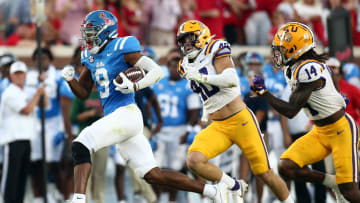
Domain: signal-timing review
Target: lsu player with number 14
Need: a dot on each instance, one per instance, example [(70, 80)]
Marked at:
[(207, 64), (313, 90)]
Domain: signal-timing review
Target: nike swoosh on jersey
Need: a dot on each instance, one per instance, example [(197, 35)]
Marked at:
[(243, 124), (339, 132)]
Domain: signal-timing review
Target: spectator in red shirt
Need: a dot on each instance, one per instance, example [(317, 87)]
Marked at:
[(114, 6), (278, 19), (231, 13), (132, 17), (258, 23), (188, 11), (347, 89), (24, 35), (210, 12)]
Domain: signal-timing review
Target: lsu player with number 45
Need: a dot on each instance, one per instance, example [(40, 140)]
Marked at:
[(313, 90), (105, 56), (207, 64)]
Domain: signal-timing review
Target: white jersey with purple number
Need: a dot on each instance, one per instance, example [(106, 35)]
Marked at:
[(213, 97), (323, 101)]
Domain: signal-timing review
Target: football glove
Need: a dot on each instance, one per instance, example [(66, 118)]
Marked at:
[(68, 73), (126, 86), (258, 85), (195, 76)]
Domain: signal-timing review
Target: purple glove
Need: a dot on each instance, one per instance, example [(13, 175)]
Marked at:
[(258, 85)]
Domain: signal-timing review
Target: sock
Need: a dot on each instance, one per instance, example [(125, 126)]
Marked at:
[(329, 180), (122, 201), (230, 182), (209, 191), (38, 200), (288, 200), (79, 198), (58, 196)]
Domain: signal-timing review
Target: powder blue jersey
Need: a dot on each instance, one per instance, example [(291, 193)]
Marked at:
[(244, 83), (104, 68), (61, 89), (274, 81), (173, 100)]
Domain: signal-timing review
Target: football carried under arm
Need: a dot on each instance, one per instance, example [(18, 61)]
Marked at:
[(154, 71)]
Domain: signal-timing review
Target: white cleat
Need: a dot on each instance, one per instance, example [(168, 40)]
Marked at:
[(339, 197), (222, 193), (238, 195)]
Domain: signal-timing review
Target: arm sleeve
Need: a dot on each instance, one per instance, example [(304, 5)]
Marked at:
[(154, 72), (228, 78)]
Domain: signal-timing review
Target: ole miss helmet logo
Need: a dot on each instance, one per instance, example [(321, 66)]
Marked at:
[(107, 20)]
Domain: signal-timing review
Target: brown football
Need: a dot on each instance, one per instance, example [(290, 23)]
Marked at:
[(134, 74)]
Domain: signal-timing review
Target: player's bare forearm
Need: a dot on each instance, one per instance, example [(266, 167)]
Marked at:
[(82, 88), (78, 90), (281, 106), (297, 99)]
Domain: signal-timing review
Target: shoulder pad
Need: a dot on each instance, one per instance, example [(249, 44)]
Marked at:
[(85, 54), (127, 44), (308, 71), (85, 57), (218, 48)]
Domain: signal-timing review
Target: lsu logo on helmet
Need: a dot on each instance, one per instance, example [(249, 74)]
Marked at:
[(199, 34), (292, 40)]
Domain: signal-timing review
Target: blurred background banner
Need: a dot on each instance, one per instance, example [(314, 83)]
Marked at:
[(339, 34)]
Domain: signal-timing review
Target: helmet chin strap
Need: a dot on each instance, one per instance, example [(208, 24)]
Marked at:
[(193, 54), (96, 49)]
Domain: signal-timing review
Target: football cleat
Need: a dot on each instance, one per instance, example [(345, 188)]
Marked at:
[(222, 193), (339, 197), (238, 195)]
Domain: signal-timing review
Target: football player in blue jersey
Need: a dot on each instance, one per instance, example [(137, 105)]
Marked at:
[(105, 56)]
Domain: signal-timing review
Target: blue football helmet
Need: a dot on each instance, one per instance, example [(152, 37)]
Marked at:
[(98, 28), (254, 58)]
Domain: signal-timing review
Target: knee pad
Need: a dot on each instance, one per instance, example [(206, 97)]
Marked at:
[(80, 153)]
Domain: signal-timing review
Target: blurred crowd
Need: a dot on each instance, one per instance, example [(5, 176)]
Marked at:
[(171, 114), (154, 22)]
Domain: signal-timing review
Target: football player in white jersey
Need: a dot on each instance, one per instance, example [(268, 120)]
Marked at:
[(207, 64), (313, 90)]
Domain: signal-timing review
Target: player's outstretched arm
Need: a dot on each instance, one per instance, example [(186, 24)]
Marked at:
[(81, 88), (154, 71), (297, 99)]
